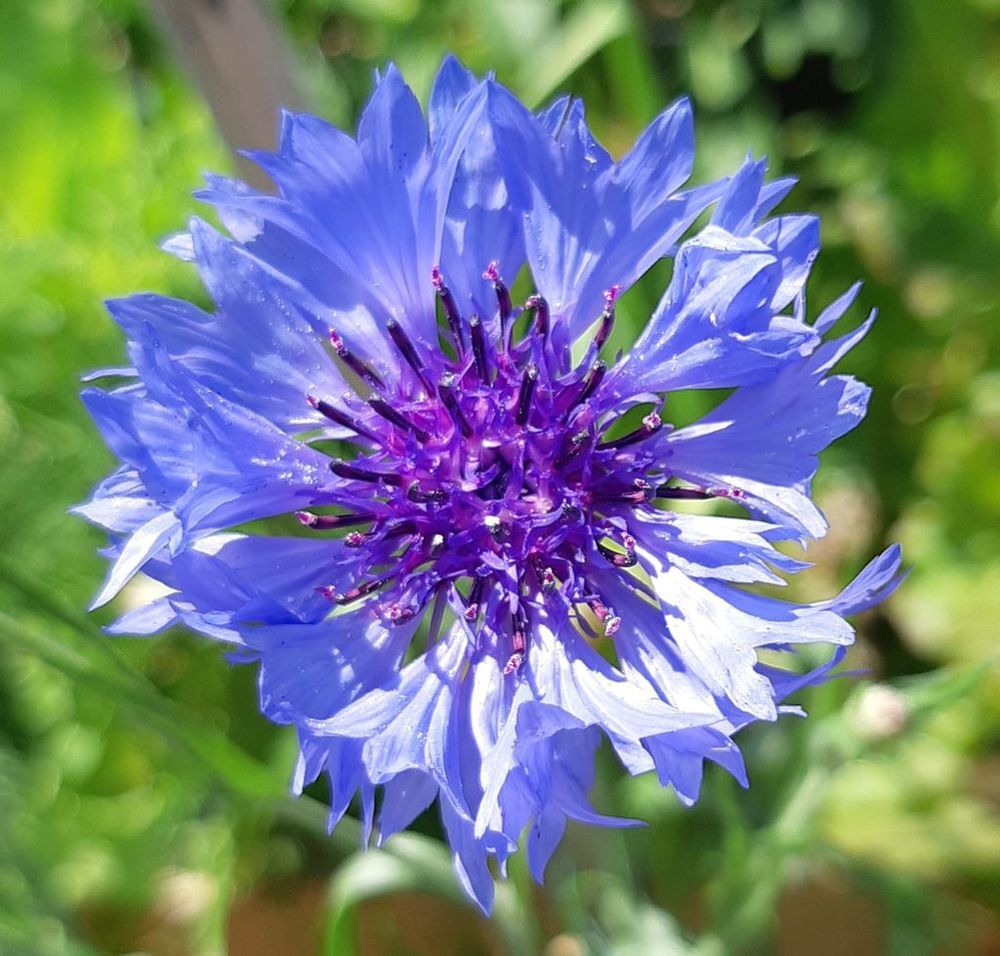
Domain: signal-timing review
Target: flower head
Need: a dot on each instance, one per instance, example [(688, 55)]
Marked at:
[(480, 571)]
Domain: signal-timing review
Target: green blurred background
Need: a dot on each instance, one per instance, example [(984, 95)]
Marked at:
[(143, 802)]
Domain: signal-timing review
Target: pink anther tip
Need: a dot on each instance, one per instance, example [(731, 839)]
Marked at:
[(513, 663), (652, 421)]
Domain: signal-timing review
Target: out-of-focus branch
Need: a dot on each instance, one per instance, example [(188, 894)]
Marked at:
[(242, 64)]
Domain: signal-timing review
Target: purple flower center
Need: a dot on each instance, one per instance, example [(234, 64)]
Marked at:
[(492, 469)]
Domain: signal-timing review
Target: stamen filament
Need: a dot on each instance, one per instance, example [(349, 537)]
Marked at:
[(416, 493), (591, 382), (651, 424), (326, 522), (504, 303), (341, 418), (356, 365), (576, 444), (447, 394), (528, 382), (390, 414), (402, 342), (479, 348), (358, 592), (541, 309), (347, 470), (450, 307)]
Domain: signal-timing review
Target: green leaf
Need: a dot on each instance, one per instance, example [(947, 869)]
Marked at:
[(587, 28)]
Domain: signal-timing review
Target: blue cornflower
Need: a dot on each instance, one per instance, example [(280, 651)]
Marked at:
[(474, 572)]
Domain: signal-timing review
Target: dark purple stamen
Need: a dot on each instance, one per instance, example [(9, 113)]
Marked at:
[(416, 493), (682, 494), (341, 418), (398, 530), (390, 414), (519, 628), (651, 424), (326, 522), (607, 317), (503, 296), (619, 560), (450, 307), (698, 494), (479, 348), (606, 615), (402, 342), (604, 329), (347, 470), (356, 365), (591, 382), (541, 309), (475, 598), (576, 444), (356, 593), (528, 381), (641, 493), (447, 393), (570, 510)]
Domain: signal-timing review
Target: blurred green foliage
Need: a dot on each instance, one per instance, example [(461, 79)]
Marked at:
[(142, 796)]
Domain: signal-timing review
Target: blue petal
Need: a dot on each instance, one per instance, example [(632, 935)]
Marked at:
[(543, 838), (566, 685), (163, 531), (716, 326), (404, 798), (877, 581), (765, 439), (680, 759), (482, 223), (309, 672), (589, 226), (224, 581), (409, 726), (120, 503), (737, 210), (717, 630), (795, 243), (660, 161), (726, 549), (143, 621), (451, 85), (259, 349), (469, 858), (565, 122)]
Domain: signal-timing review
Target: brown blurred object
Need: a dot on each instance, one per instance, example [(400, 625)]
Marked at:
[(242, 65), (825, 916), (278, 922)]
